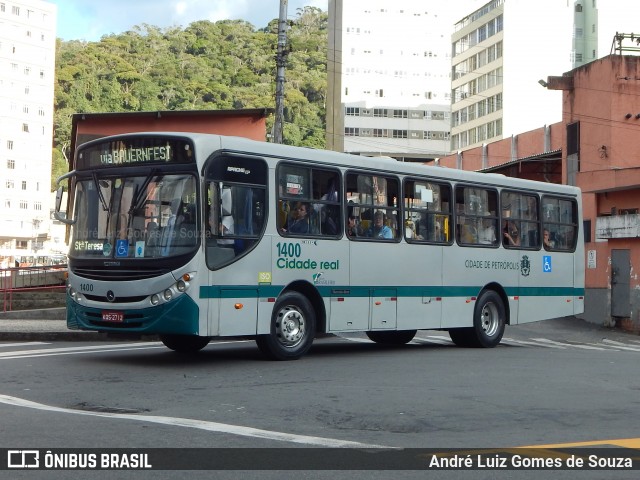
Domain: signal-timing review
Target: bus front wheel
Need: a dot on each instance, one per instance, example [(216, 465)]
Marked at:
[(489, 320), (184, 343), (399, 337), (293, 325)]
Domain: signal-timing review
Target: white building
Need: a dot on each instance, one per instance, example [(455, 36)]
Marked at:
[(27, 75), (389, 71), (502, 53)]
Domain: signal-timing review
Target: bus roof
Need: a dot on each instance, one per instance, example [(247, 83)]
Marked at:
[(208, 143)]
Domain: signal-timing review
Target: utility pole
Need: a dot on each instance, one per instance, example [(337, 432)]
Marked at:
[(281, 59)]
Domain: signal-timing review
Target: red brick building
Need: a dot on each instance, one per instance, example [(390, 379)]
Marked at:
[(596, 147)]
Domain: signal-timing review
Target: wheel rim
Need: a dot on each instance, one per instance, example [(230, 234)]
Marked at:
[(490, 319), (290, 327)]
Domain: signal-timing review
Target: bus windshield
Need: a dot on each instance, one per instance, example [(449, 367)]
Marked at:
[(135, 216)]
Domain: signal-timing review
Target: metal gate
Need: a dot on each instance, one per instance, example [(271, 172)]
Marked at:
[(620, 281)]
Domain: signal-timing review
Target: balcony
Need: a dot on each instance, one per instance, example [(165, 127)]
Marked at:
[(618, 226)]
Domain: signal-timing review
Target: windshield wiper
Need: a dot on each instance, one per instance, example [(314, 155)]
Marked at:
[(96, 182), (140, 193)]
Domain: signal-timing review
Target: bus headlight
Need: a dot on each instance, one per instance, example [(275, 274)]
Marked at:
[(72, 293), (155, 300), (181, 286), (167, 294)]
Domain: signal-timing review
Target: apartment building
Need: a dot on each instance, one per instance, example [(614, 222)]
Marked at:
[(501, 54), (389, 67), (27, 62)]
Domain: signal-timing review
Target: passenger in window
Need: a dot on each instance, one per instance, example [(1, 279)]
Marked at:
[(546, 239), (328, 224), (353, 228), (300, 223), (379, 229), (487, 233), (226, 229), (511, 234)]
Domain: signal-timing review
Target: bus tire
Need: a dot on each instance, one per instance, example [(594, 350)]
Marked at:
[(462, 337), (489, 320), (184, 343), (293, 327), (399, 337)]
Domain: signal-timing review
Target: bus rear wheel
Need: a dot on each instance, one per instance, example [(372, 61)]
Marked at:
[(184, 343), (399, 337), (293, 326), (489, 320)]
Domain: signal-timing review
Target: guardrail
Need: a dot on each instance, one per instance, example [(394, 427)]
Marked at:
[(30, 279)]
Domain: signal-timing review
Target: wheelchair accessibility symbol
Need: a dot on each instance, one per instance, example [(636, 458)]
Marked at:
[(546, 263), (122, 248)]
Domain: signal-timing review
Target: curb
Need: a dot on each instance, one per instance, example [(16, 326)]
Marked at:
[(58, 313)]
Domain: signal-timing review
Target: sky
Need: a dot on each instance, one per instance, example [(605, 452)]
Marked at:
[(91, 19)]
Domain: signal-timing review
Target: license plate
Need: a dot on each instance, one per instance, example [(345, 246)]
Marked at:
[(117, 317)]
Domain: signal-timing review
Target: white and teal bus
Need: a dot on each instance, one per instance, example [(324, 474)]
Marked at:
[(194, 236)]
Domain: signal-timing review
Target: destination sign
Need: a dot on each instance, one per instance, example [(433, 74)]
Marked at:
[(133, 151), (133, 155)]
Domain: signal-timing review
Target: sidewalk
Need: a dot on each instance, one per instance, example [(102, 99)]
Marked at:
[(45, 325)]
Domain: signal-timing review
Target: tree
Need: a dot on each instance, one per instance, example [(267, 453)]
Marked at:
[(207, 65)]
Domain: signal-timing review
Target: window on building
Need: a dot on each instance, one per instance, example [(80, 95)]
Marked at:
[(10, 184), (351, 131), (379, 132), (379, 112), (24, 204), (25, 127), (15, 10), (352, 111), (399, 134), (11, 164), (37, 205), (24, 184), (9, 144), (400, 114)]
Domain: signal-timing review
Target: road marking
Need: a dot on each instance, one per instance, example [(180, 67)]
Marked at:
[(572, 345), (51, 352), (72, 350), (621, 442), (621, 345), (23, 344), (198, 424), (535, 344), (440, 340)]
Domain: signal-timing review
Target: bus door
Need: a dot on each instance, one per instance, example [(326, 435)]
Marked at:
[(234, 216)]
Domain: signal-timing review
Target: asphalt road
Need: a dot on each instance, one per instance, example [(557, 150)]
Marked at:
[(559, 383)]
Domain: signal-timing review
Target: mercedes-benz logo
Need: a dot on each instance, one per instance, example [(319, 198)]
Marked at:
[(111, 296)]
